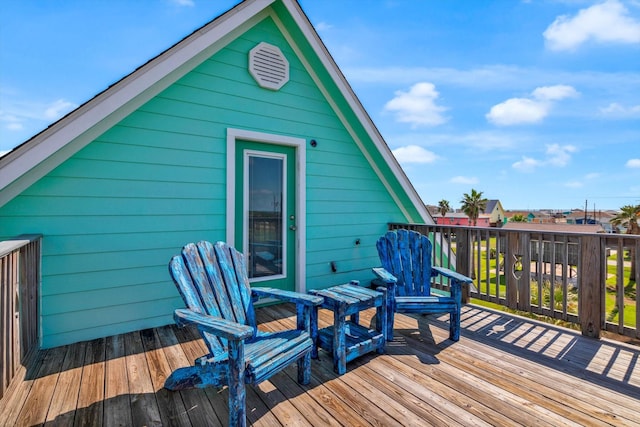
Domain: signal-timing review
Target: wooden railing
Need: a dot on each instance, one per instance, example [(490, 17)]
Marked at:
[(582, 278), (19, 285)]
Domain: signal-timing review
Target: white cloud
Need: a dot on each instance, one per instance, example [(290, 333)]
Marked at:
[(581, 183), (516, 111), (418, 106), (464, 180), (616, 110), (10, 121), (414, 154), (57, 109), (633, 163), (559, 155), (607, 22), (19, 116), (323, 26), (189, 3), (555, 155), (3, 152), (554, 93), (527, 164)]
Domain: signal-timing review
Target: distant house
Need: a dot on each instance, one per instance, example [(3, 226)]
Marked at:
[(559, 227), (493, 216), (496, 213), (460, 218), (244, 131)]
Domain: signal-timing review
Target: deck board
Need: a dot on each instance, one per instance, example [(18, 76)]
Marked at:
[(505, 370)]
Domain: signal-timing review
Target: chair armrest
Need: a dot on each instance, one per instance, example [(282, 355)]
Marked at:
[(288, 296), (455, 277), (384, 275), (213, 325)]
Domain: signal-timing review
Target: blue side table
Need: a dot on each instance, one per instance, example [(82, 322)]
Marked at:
[(347, 339)]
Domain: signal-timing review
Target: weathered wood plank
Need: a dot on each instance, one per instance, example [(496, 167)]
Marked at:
[(595, 401), (16, 393), (91, 397), (144, 406), (197, 405), (422, 379), (322, 395), (172, 409), (368, 408), (433, 403), (297, 394), (117, 407), (62, 410), (34, 410)]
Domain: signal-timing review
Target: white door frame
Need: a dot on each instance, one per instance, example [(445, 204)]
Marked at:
[(300, 167)]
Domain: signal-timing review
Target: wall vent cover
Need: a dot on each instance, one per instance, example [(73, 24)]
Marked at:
[(268, 66)]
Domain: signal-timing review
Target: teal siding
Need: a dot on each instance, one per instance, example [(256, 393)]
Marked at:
[(115, 212)]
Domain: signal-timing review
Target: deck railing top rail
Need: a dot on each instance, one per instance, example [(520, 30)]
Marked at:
[(10, 245)]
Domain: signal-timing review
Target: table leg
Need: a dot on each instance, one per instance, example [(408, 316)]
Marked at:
[(314, 332), (339, 340), (355, 318)]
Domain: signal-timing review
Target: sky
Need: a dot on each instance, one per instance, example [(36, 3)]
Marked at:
[(535, 103)]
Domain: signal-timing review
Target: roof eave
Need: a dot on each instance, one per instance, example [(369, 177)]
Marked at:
[(53, 145)]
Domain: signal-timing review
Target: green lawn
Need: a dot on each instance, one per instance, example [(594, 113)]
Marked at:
[(489, 287)]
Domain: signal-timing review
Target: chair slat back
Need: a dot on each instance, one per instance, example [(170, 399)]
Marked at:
[(212, 279), (407, 255)]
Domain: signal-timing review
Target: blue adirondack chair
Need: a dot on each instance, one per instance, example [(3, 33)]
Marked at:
[(407, 272), (212, 280)]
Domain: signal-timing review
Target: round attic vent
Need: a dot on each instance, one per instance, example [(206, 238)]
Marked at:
[(268, 66)]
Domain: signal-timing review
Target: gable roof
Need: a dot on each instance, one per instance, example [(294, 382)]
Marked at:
[(34, 158), (491, 205)]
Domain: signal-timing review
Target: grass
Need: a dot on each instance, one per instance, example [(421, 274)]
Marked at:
[(496, 285)]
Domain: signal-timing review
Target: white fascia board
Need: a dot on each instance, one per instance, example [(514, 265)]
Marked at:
[(74, 131), (356, 106)]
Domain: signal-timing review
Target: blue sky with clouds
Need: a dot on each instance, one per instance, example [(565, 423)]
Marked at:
[(535, 103)]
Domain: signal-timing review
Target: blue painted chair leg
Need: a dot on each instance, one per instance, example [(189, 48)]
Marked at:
[(454, 326), (379, 314), (390, 319), (304, 369), (454, 319), (314, 332), (237, 392)]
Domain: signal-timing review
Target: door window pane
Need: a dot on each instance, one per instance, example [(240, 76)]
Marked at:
[(265, 216)]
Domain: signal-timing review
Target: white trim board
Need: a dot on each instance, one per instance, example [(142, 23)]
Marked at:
[(299, 144)]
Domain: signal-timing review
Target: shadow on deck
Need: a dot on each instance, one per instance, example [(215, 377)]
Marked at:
[(505, 370)]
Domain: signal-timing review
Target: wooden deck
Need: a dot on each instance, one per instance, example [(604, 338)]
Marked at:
[(504, 371)]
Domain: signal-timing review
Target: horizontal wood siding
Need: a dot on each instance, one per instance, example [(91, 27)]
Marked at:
[(116, 211)]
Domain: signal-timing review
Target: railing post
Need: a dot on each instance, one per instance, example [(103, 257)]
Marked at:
[(590, 286), (463, 258), (517, 271)]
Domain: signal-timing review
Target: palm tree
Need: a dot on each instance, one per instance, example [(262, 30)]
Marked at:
[(518, 218), (443, 207), (473, 204), (628, 217)]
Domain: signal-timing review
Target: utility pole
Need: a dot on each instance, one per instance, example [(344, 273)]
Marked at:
[(585, 211)]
